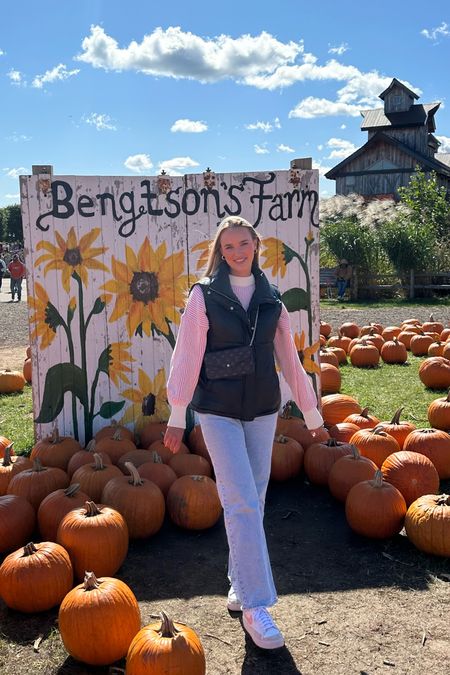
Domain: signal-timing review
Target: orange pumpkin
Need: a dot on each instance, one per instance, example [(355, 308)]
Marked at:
[(86, 456), (320, 457), (411, 473), (342, 341), (11, 381), (327, 356), (36, 483), (55, 450), (434, 444), (92, 478), (107, 611), (138, 500), (330, 378), (190, 465), (364, 355), (434, 372), (293, 427), (159, 473), (363, 420), (375, 508), (17, 520), (394, 351), (136, 457), (397, 428), (375, 444), (390, 332), (6, 443), (26, 370), (436, 348), (432, 325), (110, 430), (349, 470), (343, 431), (427, 524), (166, 647), (114, 446), (337, 407), (36, 578), (340, 354), (287, 458), (153, 431), (350, 329), (197, 444), (10, 466), (439, 413), (96, 538), (193, 502), (54, 507), (325, 328), (420, 343)]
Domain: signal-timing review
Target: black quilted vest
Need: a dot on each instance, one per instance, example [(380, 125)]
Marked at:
[(230, 325)]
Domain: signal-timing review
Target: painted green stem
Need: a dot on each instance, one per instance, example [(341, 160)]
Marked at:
[(72, 361), (87, 418)]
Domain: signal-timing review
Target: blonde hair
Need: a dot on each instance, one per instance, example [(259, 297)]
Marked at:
[(215, 254)]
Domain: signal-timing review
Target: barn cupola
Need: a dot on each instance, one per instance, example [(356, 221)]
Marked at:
[(397, 97)]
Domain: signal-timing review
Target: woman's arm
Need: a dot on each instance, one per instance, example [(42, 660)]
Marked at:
[(294, 373)]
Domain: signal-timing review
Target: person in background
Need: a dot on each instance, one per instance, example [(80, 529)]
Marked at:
[(2, 270), (343, 276), (234, 305), (16, 270)]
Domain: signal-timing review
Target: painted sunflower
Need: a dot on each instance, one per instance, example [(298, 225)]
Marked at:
[(277, 255), (118, 356), (149, 288), (71, 256), (45, 317), (149, 391), (305, 354), (204, 247)]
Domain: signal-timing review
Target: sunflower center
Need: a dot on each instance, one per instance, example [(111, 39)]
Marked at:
[(144, 286), (72, 257)]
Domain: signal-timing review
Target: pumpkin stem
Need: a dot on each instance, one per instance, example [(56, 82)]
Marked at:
[(286, 413), (29, 549), (99, 466), (55, 435), (90, 581), (280, 439), (135, 477), (7, 455), (92, 509), (91, 446), (365, 413), (198, 478), (396, 418), (332, 443), (443, 500), (37, 465), (117, 435), (377, 480), (355, 452), (72, 490), (167, 628), (156, 458), (447, 399), (379, 430)]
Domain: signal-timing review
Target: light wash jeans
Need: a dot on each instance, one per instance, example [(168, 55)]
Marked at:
[(241, 455)]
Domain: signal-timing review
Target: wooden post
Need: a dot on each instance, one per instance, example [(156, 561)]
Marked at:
[(411, 284), (302, 163), (37, 169)]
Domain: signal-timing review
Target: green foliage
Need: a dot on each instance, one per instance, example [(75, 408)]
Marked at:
[(427, 203), (16, 419), (11, 224), (351, 240), (408, 245)]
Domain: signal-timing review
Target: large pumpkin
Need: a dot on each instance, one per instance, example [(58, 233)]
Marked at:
[(411, 473), (115, 446), (36, 578), (93, 477), (375, 508), (343, 431), (193, 502), (330, 378), (320, 457), (363, 420), (17, 520), (397, 428), (190, 465), (349, 470), (166, 647), (96, 538), (55, 450), (439, 413), (110, 430), (36, 483), (337, 407), (434, 372), (287, 458), (434, 444), (98, 620), (140, 502), (86, 456), (159, 473), (54, 507), (394, 351), (375, 444), (427, 524), (11, 381)]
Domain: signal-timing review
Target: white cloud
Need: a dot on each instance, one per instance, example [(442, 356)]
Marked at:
[(277, 123), (59, 72), (189, 126), (320, 147), (100, 121), (260, 126), (138, 163), (343, 126), (16, 138), (15, 173), (322, 169), (321, 107), (179, 54), (261, 149), (340, 148), (1, 52), (339, 49), (436, 33), (176, 165), (284, 148), (13, 197), (16, 77), (445, 143)]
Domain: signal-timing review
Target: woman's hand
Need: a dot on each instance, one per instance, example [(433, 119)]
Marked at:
[(173, 438)]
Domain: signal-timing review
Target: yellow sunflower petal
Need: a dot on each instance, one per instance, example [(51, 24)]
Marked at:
[(146, 257), (87, 239), (132, 261), (72, 239), (145, 384), (120, 308), (135, 316)]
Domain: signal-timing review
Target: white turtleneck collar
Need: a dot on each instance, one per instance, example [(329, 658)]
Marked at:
[(242, 281)]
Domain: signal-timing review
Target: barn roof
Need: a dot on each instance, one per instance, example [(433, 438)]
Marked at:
[(417, 115), (430, 163), (397, 83), (443, 158)]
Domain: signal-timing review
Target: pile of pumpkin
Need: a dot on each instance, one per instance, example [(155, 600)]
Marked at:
[(386, 472), (87, 504), (365, 346)]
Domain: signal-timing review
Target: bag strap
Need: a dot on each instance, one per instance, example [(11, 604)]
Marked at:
[(254, 327)]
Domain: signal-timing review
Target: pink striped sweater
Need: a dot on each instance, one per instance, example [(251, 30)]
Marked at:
[(190, 347)]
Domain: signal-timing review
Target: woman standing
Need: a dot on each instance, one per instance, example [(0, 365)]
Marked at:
[(223, 365)]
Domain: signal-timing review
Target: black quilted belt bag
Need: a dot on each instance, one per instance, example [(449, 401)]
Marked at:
[(233, 362)]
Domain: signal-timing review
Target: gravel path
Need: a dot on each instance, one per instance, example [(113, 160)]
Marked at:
[(14, 318)]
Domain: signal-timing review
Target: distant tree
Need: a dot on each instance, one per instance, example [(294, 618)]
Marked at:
[(12, 230), (427, 202)]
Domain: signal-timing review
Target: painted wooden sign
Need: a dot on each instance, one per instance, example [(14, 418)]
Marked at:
[(109, 261)]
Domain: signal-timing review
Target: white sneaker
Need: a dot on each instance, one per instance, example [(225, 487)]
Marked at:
[(261, 627), (233, 602)]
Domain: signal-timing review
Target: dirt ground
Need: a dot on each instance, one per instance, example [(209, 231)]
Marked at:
[(347, 605)]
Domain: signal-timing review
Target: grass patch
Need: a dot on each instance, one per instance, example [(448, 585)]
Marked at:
[(386, 388), (16, 419)]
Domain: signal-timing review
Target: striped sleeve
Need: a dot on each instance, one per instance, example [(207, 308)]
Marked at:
[(187, 357)]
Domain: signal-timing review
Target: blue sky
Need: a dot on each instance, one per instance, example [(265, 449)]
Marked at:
[(98, 87)]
